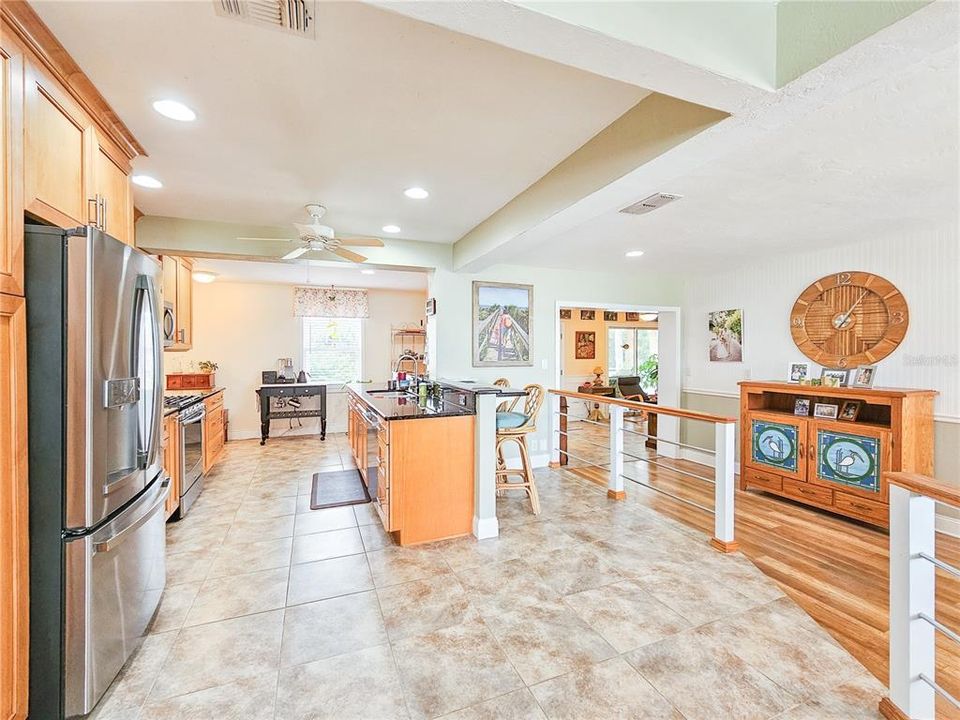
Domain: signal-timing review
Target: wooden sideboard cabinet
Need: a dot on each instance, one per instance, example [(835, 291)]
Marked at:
[(213, 439), (171, 460), (832, 464)]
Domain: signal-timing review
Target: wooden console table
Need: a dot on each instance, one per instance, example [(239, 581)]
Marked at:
[(830, 463), (291, 390)]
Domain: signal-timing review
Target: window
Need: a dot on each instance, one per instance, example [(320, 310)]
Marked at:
[(627, 351), (332, 348)]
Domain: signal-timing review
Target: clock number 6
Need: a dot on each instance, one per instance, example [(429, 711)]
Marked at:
[(843, 278)]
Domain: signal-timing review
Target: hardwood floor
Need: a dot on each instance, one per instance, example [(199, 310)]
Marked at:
[(836, 569)]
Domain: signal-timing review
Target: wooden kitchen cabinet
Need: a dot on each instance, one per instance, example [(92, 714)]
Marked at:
[(11, 168), (14, 556), (171, 460), (178, 290), (213, 430), (111, 192)]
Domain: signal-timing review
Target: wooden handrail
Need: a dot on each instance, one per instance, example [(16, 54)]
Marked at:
[(649, 407), (927, 486)]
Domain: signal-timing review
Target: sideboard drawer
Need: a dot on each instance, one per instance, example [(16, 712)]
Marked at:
[(869, 509), (808, 492), (762, 480)]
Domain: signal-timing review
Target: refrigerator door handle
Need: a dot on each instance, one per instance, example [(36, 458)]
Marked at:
[(116, 539), (146, 298)]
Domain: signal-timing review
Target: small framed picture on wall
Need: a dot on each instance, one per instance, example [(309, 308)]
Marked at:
[(566, 313), (586, 345), (610, 316), (588, 314)]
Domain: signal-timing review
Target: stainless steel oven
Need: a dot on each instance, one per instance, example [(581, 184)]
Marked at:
[(192, 441)]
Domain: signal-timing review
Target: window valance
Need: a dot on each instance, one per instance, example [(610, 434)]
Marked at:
[(330, 302)]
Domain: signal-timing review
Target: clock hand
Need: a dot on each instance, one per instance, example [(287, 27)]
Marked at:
[(846, 316)]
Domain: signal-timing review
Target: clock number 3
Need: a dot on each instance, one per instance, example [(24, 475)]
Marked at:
[(897, 317), (843, 278)]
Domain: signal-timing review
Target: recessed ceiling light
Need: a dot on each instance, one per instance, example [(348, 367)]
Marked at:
[(204, 276), (146, 181), (367, 271), (174, 110), (391, 228), (416, 193), (634, 253)]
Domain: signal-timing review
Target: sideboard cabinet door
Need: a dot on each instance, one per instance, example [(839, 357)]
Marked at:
[(777, 444), (852, 459)]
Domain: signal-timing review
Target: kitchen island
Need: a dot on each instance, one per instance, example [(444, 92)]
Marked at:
[(429, 466), (416, 459)]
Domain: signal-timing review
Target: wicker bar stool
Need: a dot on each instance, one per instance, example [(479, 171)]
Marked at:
[(514, 427)]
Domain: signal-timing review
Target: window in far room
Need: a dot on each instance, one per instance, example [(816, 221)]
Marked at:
[(332, 348), (627, 351)]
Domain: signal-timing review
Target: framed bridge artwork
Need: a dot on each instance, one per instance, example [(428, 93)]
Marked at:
[(502, 318)]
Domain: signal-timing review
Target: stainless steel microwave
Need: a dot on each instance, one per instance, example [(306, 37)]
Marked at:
[(169, 325)]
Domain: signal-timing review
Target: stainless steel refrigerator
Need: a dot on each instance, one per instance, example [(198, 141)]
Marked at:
[(97, 488)]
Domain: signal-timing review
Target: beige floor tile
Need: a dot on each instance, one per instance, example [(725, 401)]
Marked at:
[(276, 507), (243, 558), (467, 552), (535, 538), (573, 569), (705, 681), (517, 705), (453, 668), (219, 653), (328, 578), (188, 567), (694, 593), (771, 639), (124, 698), (546, 640), (366, 514), (395, 565), (256, 529), (326, 545), (251, 699), (625, 615), (610, 689), (376, 538), (186, 538), (422, 606), (502, 587), (361, 685), (316, 521), (264, 489), (331, 627), (854, 700), (175, 603), (227, 597)]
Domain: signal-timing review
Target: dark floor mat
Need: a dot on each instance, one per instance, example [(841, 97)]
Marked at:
[(341, 487)]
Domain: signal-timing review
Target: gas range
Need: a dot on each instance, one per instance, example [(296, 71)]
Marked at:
[(180, 401)]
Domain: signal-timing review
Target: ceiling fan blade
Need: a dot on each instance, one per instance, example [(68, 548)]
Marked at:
[(362, 241), (295, 253), (347, 255), (267, 239)]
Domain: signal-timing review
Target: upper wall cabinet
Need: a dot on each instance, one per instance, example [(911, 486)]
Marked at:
[(57, 158), (11, 168), (112, 195), (178, 291)]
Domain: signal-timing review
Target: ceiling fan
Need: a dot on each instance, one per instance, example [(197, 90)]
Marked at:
[(316, 237)]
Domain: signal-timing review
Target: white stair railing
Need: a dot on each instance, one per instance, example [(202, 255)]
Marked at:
[(724, 456), (913, 615)]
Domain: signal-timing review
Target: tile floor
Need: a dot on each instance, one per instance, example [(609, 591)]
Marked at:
[(595, 609)]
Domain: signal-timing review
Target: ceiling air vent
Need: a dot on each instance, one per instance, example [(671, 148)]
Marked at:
[(294, 16), (649, 204)]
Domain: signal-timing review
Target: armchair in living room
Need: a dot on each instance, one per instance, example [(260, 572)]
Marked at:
[(629, 388)]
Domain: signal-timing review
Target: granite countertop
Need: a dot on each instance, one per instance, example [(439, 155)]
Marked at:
[(391, 406), (471, 386)]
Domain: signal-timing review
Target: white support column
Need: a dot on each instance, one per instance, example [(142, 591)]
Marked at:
[(485, 524), (912, 582), (615, 481), (723, 528)]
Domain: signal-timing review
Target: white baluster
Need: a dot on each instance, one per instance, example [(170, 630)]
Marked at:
[(485, 524), (724, 473), (912, 591), (615, 481)]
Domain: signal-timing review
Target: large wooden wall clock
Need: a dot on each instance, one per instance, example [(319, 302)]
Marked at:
[(849, 319)]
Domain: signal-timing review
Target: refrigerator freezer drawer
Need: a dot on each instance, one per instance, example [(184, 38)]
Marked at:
[(114, 579)]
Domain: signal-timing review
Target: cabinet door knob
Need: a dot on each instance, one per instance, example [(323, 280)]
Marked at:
[(800, 449)]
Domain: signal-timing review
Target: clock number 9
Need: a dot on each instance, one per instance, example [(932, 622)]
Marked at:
[(843, 278), (897, 317)]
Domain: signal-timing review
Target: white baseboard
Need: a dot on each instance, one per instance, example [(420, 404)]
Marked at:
[(948, 525), (485, 527)]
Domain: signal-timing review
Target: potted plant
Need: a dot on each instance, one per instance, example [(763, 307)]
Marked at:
[(648, 373), (207, 366)]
